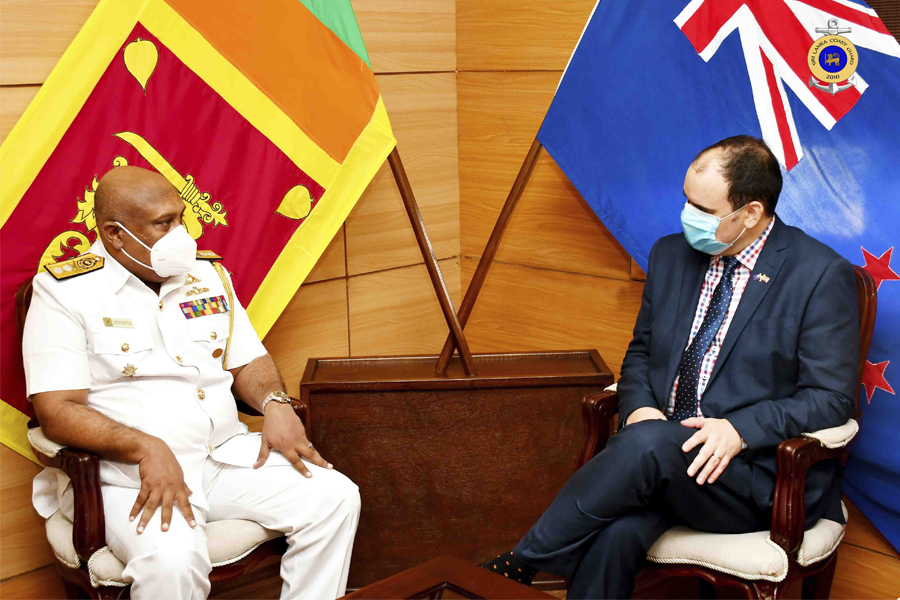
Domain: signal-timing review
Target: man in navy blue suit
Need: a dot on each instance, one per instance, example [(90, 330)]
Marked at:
[(747, 335)]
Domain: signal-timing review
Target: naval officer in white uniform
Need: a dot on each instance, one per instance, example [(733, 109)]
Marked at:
[(125, 355)]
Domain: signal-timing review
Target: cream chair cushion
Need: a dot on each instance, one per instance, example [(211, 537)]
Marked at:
[(41, 443), (229, 541), (748, 555), (753, 555)]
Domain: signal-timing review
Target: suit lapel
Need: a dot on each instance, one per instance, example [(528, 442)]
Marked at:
[(691, 284), (769, 263)]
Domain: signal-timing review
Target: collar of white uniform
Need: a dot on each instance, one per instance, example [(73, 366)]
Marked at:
[(118, 275)]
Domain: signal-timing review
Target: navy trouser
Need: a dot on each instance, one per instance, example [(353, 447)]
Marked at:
[(598, 529)]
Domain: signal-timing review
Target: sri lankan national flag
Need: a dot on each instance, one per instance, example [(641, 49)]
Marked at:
[(264, 114)]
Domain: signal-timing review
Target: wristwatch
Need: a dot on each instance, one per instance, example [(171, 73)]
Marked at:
[(279, 397)]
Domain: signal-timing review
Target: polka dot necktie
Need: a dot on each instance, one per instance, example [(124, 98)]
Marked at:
[(689, 369)]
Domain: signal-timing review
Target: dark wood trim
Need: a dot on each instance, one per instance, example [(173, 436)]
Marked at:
[(358, 373), (274, 548), (867, 300), (794, 458), (598, 411), (434, 270), (429, 579), (490, 251)]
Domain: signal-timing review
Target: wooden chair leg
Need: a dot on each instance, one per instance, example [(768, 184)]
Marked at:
[(818, 586), (765, 590), (74, 591), (707, 590)]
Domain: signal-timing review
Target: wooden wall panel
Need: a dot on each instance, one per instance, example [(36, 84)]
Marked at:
[(35, 34), (499, 115), (400, 35), (422, 108), (23, 541), (408, 35), (522, 308), (313, 324), (515, 35), (13, 102), (332, 263), (397, 311), (44, 583)]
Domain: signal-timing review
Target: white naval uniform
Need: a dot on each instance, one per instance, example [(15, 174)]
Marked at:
[(178, 391)]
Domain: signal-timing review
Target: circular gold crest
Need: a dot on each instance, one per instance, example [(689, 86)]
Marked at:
[(87, 262), (833, 59)]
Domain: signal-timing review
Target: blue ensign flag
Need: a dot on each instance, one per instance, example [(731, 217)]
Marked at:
[(650, 84)]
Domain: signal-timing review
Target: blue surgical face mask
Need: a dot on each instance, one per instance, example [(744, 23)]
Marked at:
[(700, 230)]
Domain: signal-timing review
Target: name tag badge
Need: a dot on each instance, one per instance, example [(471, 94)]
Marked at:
[(112, 322)]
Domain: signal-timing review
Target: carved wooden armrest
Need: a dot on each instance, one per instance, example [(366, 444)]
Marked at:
[(794, 458), (83, 469), (597, 412)]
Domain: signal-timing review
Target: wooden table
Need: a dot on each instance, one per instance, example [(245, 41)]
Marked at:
[(446, 577), (449, 464)]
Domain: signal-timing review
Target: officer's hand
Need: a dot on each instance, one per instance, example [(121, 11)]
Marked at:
[(644, 413), (721, 442), (283, 431), (162, 483)]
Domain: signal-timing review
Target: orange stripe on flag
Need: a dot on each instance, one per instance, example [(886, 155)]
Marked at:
[(300, 64)]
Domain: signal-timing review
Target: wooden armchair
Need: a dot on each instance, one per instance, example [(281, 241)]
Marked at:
[(761, 564), (87, 566)]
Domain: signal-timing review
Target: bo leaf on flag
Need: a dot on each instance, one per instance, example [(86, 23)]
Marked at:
[(775, 37)]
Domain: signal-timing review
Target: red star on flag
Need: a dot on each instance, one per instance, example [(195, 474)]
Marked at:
[(880, 267), (873, 377)]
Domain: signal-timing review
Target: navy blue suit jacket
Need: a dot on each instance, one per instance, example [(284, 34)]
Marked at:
[(787, 365)]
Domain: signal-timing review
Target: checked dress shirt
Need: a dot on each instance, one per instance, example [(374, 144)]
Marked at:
[(741, 268)]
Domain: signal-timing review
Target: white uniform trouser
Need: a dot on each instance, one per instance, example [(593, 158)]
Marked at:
[(318, 515)]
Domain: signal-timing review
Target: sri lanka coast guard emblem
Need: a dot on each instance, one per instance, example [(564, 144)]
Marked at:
[(833, 59)]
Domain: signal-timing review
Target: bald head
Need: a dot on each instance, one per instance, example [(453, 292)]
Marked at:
[(146, 204), (126, 193)]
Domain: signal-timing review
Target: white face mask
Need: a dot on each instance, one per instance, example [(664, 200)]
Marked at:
[(173, 254)]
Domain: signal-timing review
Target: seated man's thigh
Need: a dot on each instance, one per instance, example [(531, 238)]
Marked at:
[(279, 497), (661, 440), (724, 506), (181, 547)]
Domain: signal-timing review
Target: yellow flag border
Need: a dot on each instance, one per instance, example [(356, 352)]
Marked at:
[(37, 133), (32, 140), (14, 431)]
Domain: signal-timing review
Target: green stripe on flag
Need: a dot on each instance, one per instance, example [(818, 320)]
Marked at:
[(337, 15)]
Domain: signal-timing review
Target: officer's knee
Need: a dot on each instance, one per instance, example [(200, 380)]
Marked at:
[(346, 499), (175, 557), (339, 498)]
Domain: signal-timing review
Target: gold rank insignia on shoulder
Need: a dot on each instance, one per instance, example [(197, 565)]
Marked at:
[(207, 255), (75, 266)]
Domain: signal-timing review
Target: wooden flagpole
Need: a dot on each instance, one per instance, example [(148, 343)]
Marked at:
[(434, 270), (487, 257)]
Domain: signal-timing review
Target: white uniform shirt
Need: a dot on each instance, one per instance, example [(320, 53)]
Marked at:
[(144, 363)]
